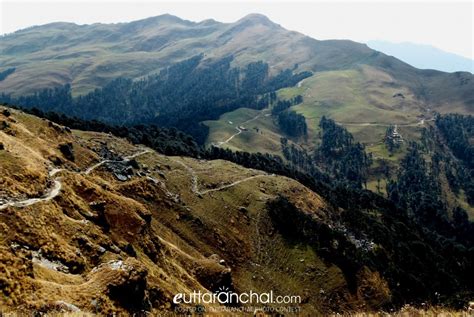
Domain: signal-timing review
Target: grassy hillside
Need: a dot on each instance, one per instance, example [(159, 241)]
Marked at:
[(91, 216), (363, 97), (99, 233), (362, 89), (364, 100), (89, 56), (261, 135)]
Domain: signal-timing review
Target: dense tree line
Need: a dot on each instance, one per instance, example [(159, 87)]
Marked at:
[(449, 145), (292, 124), (415, 186), (392, 139), (282, 105), (286, 78), (266, 100), (296, 155), (419, 265), (458, 133), (53, 99), (340, 155), (167, 141), (417, 190), (180, 96)]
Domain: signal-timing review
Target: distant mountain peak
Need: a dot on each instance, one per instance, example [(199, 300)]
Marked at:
[(209, 22), (256, 18), (167, 17), (161, 19)]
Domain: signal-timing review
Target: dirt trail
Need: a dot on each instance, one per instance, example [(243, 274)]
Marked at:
[(57, 185), (367, 124), (194, 181), (300, 83), (239, 130), (232, 184), (194, 178), (53, 192)]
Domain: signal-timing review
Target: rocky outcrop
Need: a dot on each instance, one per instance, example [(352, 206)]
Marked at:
[(129, 287), (67, 151), (213, 275)]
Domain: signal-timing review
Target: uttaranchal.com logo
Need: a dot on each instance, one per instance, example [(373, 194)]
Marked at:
[(225, 296)]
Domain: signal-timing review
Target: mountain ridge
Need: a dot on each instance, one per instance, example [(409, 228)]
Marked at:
[(97, 45), (90, 56)]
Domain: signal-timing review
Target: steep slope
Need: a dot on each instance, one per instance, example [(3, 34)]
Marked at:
[(128, 220), (89, 56), (87, 217)]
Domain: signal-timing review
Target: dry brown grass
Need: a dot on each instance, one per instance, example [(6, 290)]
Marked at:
[(178, 237)]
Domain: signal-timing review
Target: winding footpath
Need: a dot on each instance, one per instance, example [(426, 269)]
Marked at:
[(239, 130), (57, 184), (232, 184), (300, 83), (194, 181), (55, 189), (52, 192)]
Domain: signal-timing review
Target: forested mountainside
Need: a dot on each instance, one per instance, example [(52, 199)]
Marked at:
[(127, 219), (177, 73), (184, 95), (180, 96), (90, 56)]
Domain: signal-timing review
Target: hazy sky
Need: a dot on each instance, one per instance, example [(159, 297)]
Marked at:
[(447, 25)]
